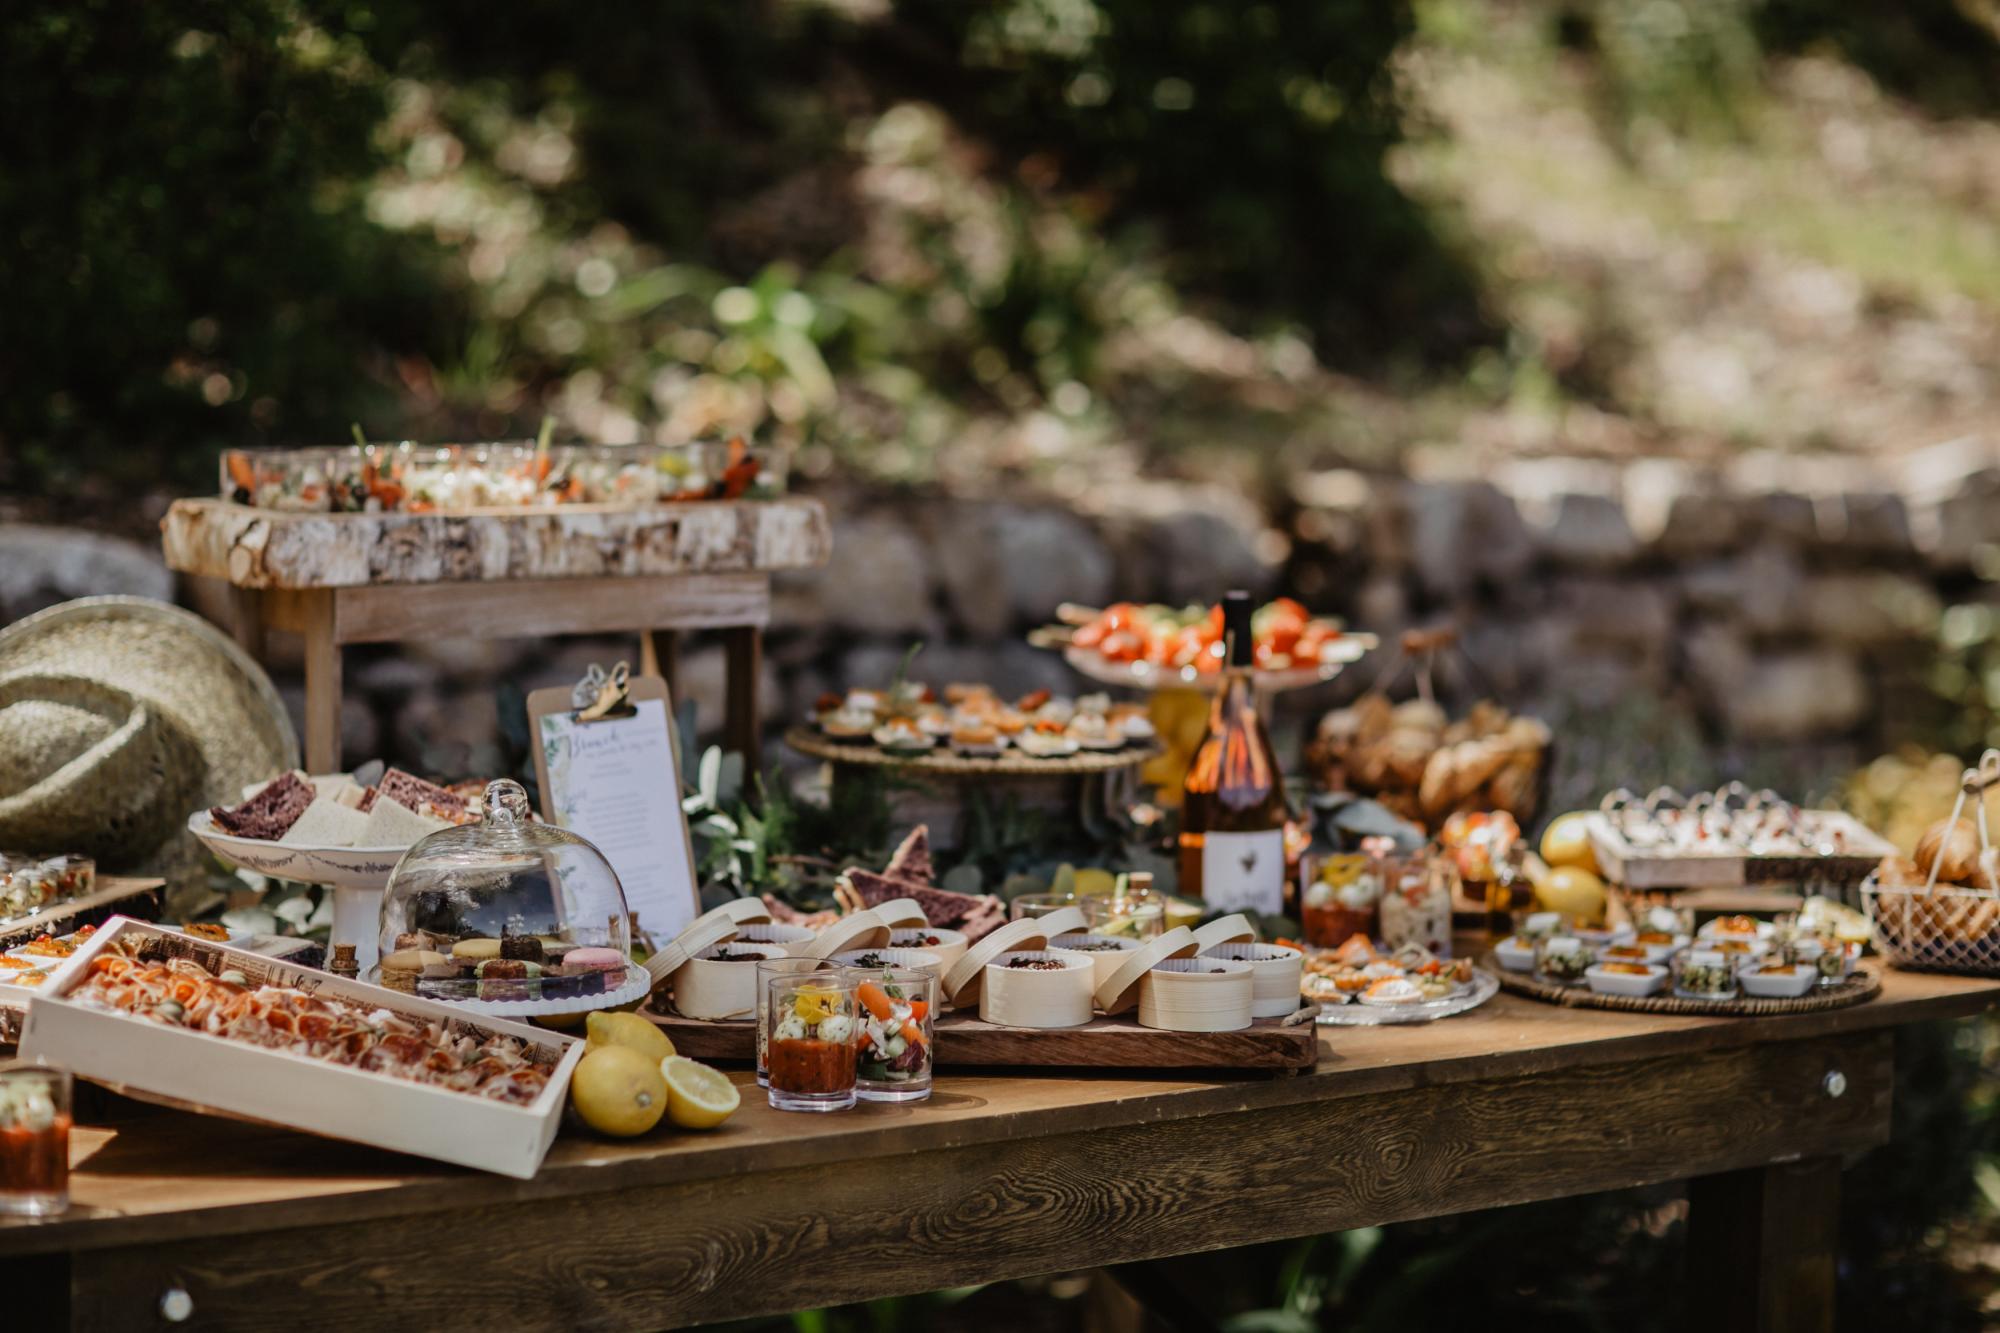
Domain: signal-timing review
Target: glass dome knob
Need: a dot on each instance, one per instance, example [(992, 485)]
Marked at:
[(505, 801)]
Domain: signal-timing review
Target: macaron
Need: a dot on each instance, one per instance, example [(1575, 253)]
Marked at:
[(477, 950), (594, 960)]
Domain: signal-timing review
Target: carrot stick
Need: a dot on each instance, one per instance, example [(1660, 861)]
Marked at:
[(875, 1000)]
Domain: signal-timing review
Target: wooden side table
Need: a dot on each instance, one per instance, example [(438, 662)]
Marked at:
[(336, 579)]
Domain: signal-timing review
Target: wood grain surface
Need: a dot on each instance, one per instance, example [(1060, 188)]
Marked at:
[(162, 1177), (966, 1041), (263, 548), (651, 1255)]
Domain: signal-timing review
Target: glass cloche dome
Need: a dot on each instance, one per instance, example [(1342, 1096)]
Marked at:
[(508, 912)]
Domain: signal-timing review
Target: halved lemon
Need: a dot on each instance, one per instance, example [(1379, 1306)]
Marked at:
[(697, 1097)]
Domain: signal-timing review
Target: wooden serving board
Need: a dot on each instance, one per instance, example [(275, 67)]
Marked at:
[(1862, 985), (1269, 1045), (948, 764), (111, 895)]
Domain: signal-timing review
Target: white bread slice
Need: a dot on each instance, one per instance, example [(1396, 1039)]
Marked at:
[(326, 824), (337, 787), (393, 824)]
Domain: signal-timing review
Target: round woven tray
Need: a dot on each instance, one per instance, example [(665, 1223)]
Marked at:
[(808, 742), (1863, 985)]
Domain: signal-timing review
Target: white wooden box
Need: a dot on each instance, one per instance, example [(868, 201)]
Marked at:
[(215, 1074)]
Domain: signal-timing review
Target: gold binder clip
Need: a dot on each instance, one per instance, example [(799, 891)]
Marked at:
[(598, 696)]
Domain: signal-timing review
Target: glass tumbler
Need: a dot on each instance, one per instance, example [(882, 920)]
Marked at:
[(1136, 913), (1036, 905), (810, 1054), (898, 1006), (768, 968), (34, 1139)]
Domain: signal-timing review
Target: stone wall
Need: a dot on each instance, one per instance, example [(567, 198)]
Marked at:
[(1768, 605)]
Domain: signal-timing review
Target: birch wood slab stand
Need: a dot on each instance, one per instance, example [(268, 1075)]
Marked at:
[(337, 579)]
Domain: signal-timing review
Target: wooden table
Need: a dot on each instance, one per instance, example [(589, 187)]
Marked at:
[(1004, 1177), (336, 579)]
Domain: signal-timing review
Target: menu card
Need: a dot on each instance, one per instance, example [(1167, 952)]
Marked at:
[(614, 781)]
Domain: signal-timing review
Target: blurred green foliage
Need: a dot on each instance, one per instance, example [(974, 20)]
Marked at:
[(861, 227)]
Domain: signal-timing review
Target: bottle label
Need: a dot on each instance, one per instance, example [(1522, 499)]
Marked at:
[(1244, 871)]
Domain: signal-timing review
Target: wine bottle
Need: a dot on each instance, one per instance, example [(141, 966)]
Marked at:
[(1233, 810)]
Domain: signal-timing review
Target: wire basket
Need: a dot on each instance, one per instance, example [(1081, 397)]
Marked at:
[(1944, 928)]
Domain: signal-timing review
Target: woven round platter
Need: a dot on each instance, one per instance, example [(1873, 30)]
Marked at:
[(1864, 984), (944, 764)]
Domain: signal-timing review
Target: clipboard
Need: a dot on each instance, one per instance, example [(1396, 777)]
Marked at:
[(607, 763)]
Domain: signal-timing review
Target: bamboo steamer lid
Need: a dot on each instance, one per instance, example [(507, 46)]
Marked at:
[(704, 932), (1063, 921), (1121, 992), (1191, 995), (1103, 962), (950, 947), (707, 987), (1275, 972), (738, 911), (913, 960), (961, 983), (1020, 997), (1232, 929), (901, 914), (792, 939), (858, 930)]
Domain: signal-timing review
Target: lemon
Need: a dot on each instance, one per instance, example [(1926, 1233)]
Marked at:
[(621, 1029), (697, 1097), (1577, 894), (1092, 883), (813, 1007), (618, 1091), (1566, 842)]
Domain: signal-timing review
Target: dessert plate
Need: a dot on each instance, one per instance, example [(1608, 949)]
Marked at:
[(332, 867)]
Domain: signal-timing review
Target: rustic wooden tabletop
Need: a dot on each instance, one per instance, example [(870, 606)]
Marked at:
[(999, 1177)]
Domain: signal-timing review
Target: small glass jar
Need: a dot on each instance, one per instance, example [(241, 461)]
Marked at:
[(1563, 959), (1416, 905), (767, 968), (898, 1008), (1705, 974), (1339, 898), (34, 1139), (811, 1050), (1531, 928), (1835, 960), (1033, 906)]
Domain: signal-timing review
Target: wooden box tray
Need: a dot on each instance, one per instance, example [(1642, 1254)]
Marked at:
[(1269, 1045), (1636, 868)]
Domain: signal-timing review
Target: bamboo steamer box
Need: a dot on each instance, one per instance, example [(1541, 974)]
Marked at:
[(1037, 988), (721, 981), (1203, 994), (217, 1075), (1275, 973)]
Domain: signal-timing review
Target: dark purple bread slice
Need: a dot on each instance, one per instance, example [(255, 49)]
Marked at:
[(269, 813)]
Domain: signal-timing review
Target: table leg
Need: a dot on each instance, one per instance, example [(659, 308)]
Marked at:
[(1762, 1244), (660, 655), (246, 606), (322, 653), (744, 647)]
